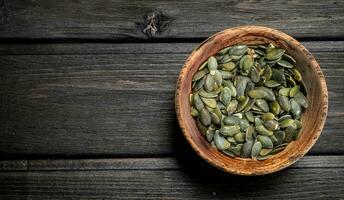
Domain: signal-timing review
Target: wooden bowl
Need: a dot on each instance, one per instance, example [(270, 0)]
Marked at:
[(312, 119)]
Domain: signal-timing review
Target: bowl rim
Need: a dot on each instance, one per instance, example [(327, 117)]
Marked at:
[(291, 160)]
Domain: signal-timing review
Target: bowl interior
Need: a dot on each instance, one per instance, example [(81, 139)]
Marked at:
[(312, 119)]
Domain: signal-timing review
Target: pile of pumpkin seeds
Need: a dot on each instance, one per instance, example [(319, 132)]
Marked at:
[(248, 100)]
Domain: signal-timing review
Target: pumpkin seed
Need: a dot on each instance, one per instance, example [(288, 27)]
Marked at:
[(286, 123), (284, 102), (284, 91), (203, 129), (258, 122), (242, 104), (218, 77), (228, 153), (289, 58), (289, 134), (247, 148), (250, 133), (271, 83), (237, 149), (285, 63), (297, 75), (194, 112), (241, 85), (295, 108), (256, 148), (264, 131), (228, 66), (220, 142), (212, 65), (231, 120), (275, 107), (254, 75), (271, 125), (293, 91), (232, 107), (199, 84), (271, 95), (301, 99), (225, 96), (257, 93), (238, 50), (215, 119), (249, 105), (197, 102), (209, 84), (268, 116), (265, 151), (278, 76), (211, 102), (239, 137), (273, 53), (209, 135), (262, 104), (249, 116), (223, 51), (205, 117), (265, 141), (280, 135), (229, 130)]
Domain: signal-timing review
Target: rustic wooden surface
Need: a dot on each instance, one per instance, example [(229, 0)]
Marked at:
[(87, 99)]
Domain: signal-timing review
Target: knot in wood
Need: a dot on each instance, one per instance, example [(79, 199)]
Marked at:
[(152, 23)]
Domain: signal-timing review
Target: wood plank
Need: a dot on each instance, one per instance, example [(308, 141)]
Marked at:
[(319, 181), (115, 104), (137, 20), (163, 163)]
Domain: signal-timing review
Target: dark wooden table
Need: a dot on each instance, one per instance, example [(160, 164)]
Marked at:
[(87, 99)]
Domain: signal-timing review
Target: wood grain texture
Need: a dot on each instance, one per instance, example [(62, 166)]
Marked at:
[(319, 177), (82, 99), (136, 20), (163, 163)]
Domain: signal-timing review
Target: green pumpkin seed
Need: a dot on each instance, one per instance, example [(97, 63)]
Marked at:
[(199, 84), (238, 50), (289, 58), (249, 116), (205, 94), (197, 102), (273, 138), (223, 51), (211, 102), (271, 95), (231, 120), (230, 130), (262, 61), (265, 151), (271, 125), (244, 124), (246, 62), (247, 148), (274, 53), (209, 84), (297, 134), (215, 119), (268, 116), (205, 117), (203, 129), (297, 75), (284, 117), (258, 122), (293, 91), (228, 66), (199, 75), (239, 137), (286, 123), (264, 131), (257, 93), (256, 148), (218, 77), (280, 135), (237, 149), (232, 107), (191, 99), (229, 153), (278, 76), (241, 85), (271, 83), (249, 105), (231, 140), (250, 133), (225, 75), (194, 112), (220, 142), (277, 150), (254, 75), (212, 65), (285, 64), (289, 134), (284, 102), (209, 135), (284, 91), (295, 109), (301, 99), (230, 85), (265, 141), (242, 104), (225, 96), (275, 107)]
